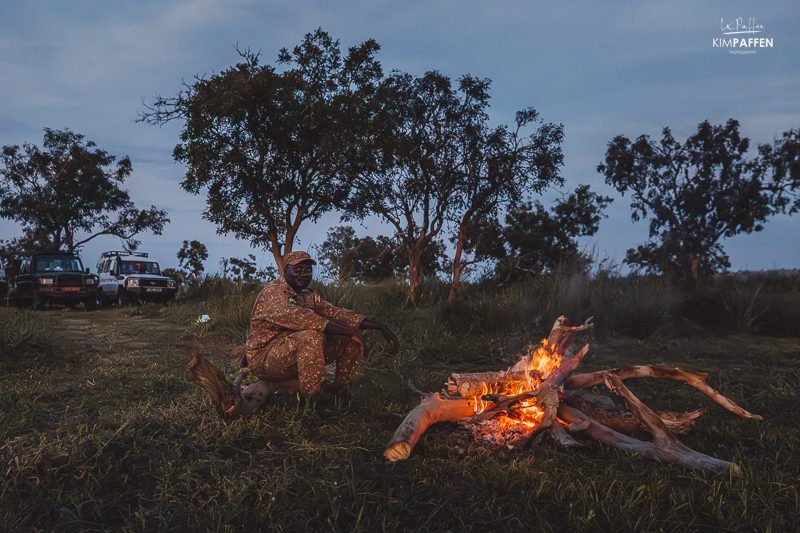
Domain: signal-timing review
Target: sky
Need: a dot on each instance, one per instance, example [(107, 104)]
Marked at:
[(599, 68)]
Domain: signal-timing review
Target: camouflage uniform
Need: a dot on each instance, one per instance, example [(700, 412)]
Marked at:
[(287, 339)]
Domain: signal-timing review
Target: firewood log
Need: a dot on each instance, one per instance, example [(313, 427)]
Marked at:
[(665, 446), (433, 409), (690, 377), (625, 422)]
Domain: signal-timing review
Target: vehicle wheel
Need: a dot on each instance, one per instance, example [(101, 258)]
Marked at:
[(91, 302), (123, 298), (101, 298), (39, 302)]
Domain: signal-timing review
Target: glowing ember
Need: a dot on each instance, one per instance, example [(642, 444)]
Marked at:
[(524, 417)]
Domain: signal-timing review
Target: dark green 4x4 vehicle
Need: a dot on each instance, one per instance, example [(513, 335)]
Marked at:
[(56, 277)]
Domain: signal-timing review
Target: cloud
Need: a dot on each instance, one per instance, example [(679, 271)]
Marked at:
[(599, 69)]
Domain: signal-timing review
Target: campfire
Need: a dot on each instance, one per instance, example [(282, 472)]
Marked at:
[(482, 391), (538, 396)]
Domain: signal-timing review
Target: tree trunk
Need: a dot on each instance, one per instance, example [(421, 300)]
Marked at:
[(275, 248), (230, 401), (458, 266), (625, 422), (414, 273), (665, 445)]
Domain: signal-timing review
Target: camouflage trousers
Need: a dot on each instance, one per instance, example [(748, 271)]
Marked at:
[(304, 355)]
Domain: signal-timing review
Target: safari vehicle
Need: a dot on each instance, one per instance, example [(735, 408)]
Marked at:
[(131, 277), (55, 277)]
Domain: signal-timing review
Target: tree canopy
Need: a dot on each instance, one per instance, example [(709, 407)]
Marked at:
[(68, 192), (191, 257), (697, 193), (415, 186), (273, 148), (535, 239), (346, 256), (500, 165), (443, 165)]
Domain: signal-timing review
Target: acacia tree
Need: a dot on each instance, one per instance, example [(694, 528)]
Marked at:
[(535, 239), (191, 257), (273, 149), (68, 192), (346, 256), (499, 165), (444, 164), (420, 169), (700, 192)]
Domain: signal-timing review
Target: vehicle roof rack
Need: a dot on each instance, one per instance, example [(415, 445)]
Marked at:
[(117, 252), (31, 253)]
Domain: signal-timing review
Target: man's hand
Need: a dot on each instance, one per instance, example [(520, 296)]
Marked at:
[(388, 334)]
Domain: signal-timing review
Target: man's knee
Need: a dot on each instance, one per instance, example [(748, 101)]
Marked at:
[(309, 338), (355, 348)]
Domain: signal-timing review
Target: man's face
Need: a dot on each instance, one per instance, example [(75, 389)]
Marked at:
[(299, 276)]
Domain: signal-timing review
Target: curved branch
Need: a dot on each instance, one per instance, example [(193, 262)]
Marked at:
[(431, 410), (690, 377)]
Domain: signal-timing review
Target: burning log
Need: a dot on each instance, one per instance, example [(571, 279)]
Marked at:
[(530, 396), (472, 385)]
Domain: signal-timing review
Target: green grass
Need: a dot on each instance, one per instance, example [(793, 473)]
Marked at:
[(102, 431)]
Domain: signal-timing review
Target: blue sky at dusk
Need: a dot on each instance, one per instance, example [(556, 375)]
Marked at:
[(600, 69)]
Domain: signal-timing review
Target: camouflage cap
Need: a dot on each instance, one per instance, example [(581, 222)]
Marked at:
[(292, 258)]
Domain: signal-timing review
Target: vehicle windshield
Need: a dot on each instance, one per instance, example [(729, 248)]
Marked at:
[(140, 267), (58, 263)]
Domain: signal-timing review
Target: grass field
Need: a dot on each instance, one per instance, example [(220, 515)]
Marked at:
[(100, 430)]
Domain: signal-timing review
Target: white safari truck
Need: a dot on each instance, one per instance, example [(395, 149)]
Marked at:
[(131, 277)]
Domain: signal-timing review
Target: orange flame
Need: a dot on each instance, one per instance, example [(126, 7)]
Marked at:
[(540, 362)]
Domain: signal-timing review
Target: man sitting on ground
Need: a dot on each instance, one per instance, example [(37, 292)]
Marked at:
[(295, 334)]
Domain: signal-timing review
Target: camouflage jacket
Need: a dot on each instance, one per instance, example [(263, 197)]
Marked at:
[(279, 310)]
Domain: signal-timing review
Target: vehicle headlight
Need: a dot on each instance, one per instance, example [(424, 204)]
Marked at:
[(170, 283), (133, 282), (91, 281), (46, 281)]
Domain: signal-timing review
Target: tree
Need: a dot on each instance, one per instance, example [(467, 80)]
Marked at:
[(67, 193), (191, 257), (273, 149), (699, 192), (348, 257), (499, 165), (535, 240), (419, 175), (245, 270), (444, 164)]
